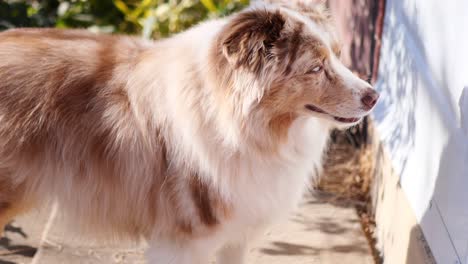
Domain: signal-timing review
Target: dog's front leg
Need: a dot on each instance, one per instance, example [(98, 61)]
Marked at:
[(232, 254)]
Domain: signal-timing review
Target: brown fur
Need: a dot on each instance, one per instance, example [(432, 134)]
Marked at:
[(76, 114), (250, 37), (201, 196)]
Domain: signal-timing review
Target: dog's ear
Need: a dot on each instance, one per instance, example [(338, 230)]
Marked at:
[(248, 38)]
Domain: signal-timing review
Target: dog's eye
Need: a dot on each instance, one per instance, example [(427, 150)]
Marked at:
[(316, 69)]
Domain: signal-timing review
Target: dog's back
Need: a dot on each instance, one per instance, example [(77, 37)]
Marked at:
[(51, 77), (64, 114)]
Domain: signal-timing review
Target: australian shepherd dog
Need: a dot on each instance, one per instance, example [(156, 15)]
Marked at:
[(194, 143)]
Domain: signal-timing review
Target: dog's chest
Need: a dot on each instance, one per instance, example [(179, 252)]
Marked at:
[(269, 189)]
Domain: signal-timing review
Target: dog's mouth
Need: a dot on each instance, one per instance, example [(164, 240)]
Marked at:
[(337, 118)]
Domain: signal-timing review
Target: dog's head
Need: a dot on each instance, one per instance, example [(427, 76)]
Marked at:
[(285, 61)]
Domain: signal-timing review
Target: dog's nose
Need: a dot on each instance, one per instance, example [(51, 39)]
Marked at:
[(370, 98)]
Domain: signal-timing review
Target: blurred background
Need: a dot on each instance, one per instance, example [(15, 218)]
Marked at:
[(148, 18)]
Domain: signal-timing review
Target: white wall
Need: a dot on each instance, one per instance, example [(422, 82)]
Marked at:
[(423, 116)]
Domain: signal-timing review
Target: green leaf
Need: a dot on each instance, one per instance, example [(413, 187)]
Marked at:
[(209, 5), (122, 6)]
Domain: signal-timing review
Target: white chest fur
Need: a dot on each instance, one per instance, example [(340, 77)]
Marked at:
[(268, 189)]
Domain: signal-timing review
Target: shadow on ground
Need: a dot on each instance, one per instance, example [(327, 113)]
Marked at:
[(11, 249)]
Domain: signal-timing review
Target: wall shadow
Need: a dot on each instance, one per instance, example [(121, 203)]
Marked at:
[(445, 220)]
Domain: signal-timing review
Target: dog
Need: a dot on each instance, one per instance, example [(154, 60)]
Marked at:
[(195, 143)]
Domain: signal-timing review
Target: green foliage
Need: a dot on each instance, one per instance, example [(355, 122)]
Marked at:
[(149, 18), (25, 14)]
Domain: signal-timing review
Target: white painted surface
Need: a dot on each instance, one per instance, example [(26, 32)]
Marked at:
[(423, 116)]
